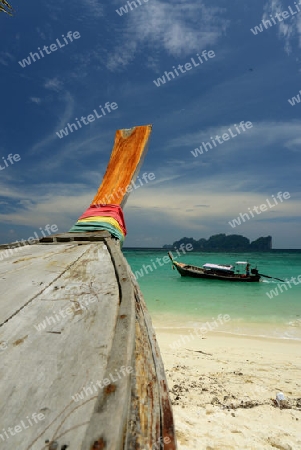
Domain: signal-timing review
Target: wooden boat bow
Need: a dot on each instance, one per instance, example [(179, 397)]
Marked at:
[(81, 368)]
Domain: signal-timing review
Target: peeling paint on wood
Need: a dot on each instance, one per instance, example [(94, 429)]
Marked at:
[(127, 156)]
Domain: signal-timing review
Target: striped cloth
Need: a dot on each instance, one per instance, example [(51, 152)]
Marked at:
[(102, 217)]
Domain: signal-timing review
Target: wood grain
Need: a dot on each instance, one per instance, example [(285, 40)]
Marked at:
[(53, 362), (127, 156), (40, 371)]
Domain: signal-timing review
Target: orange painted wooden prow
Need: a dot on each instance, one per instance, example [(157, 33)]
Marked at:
[(129, 149)]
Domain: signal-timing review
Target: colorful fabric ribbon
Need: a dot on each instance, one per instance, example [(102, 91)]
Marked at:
[(102, 217)]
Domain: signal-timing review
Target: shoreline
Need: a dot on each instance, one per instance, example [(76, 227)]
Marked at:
[(223, 389), (230, 334), (238, 327)]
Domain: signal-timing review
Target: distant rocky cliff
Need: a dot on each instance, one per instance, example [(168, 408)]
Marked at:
[(230, 243)]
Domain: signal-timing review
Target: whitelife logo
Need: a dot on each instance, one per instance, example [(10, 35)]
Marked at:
[(292, 101), (263, 207), (53, 48), (73, 127), (199, 332), (132, 5), (221, 139), (91, 388), (279, 16), (188, 66), (9, 160), (166, 260), (109, 198), (19, 245), (24, 424), (274, 292)]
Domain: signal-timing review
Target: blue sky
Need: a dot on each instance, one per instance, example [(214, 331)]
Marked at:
[(116, 59)]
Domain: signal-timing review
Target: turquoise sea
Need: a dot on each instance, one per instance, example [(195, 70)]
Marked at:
[(180, 302)]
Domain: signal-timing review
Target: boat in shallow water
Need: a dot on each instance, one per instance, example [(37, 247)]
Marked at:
[(238, 272)]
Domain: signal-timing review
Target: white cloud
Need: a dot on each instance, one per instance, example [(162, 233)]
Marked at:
[(41, 33), (36, 100), (85, 9), (180, 27), (287, 28), (6, 58), (55, 202), (94, 7), (149, 208), (262, 134), (53, 84), (65, 117)]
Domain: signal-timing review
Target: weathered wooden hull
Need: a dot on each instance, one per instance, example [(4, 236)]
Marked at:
[(186, 270), (94, 372)]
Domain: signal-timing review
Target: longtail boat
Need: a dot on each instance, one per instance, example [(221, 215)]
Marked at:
[(239, 272), (80, 364), (218, 271)]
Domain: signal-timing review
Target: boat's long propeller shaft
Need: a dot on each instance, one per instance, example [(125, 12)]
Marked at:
[(274, 278)]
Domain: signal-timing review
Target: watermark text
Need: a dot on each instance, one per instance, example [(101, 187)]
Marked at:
[(283, 287), (129, 6), (23, 425), (146, 177), (183, 68), (93, 387), (16, 246), (146, 268), (259, 209), (9, 160), (280, 16), (33, 57), (201, 331), (86, 120), (221, 139)]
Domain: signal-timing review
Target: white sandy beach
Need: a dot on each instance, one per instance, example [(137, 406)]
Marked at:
[(223, 386)]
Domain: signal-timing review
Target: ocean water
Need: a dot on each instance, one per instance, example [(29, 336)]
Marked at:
[(182, 302)]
